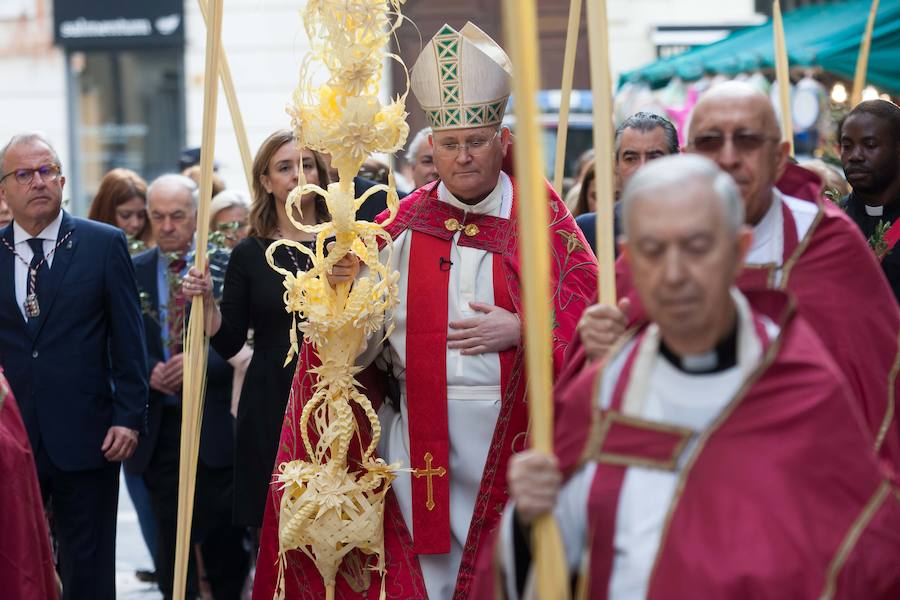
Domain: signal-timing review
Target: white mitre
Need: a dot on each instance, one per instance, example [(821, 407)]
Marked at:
[(462, 79)]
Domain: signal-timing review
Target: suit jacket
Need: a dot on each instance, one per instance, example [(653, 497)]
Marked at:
[(80, 368), (217, 431)]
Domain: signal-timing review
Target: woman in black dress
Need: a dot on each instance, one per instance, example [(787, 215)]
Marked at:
[(253, 298)]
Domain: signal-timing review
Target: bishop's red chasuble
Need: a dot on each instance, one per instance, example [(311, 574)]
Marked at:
[(433, 225)]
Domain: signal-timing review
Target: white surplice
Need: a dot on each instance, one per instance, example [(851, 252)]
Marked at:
[(657, 392), (768, 235), (473, 387)]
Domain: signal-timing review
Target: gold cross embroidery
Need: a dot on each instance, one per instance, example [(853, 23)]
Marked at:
[(429, 473)]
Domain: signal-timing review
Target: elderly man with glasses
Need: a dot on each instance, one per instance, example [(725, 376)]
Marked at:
[(455, 350), (71, 341), (806, 247)]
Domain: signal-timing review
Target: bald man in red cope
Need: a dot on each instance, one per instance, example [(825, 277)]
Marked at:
[(807, 247)]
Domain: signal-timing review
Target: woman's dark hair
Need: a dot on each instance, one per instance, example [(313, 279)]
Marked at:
[(581, 206)]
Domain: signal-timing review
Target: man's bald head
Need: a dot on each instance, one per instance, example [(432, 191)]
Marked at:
[(740, 92), (735, 125)]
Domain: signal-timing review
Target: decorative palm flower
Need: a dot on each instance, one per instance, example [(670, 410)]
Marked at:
[(327, 509)]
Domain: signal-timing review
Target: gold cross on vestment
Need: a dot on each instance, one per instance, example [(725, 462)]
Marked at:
[(429, 473)]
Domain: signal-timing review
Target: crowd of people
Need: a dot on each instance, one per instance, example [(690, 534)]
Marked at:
[(728, 429)]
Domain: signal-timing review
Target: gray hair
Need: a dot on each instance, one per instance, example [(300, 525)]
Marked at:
[(170, 179), (669, 172), (29, 136), (416, 144), (227, 199), (646, 122)]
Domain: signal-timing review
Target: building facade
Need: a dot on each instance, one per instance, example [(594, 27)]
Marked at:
[(120, 84)]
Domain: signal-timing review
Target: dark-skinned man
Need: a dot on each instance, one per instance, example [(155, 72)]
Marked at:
[(870, 154)]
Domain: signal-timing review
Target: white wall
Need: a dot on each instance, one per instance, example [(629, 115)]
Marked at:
[(32, 80), (631, 23), (265, 44)]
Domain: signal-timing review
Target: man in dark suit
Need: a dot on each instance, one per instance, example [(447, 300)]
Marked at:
[(172, 209), (71, 341)]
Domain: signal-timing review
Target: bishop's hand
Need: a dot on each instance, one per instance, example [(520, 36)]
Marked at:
[(495, 329), (534, 481)]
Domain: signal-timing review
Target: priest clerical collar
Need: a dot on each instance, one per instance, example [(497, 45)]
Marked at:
[(720, 358), (874, 211)]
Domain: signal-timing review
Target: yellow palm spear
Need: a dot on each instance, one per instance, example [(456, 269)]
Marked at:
[(195, 343), (327, 510), (520, 19)]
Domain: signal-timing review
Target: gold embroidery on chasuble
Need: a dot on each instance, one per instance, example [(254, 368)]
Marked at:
[(429, 472)]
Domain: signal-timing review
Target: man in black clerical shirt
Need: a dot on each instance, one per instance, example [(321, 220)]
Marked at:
[(870, 154)]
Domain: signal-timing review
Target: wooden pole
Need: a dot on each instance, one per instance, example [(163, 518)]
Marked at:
[(520, 18), (862, 61), (565, 88), (783, 75), (601, 90), (237, 119), (195, 343)]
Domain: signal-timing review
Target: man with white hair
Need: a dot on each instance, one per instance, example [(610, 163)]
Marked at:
[(727, 458), (420, 156), (808, 248), (172, 209)]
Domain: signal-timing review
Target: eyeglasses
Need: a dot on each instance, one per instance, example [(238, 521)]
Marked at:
[(742, 141), (48, 173), (475, 146)]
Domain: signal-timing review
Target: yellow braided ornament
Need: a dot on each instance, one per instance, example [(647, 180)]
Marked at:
[(328, 510)]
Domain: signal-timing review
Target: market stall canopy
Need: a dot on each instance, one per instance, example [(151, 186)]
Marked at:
[(822, 35)]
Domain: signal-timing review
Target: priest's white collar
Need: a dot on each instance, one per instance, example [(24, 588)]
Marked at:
[(749, 351), (874, 211), (50, 232), (498, 202)]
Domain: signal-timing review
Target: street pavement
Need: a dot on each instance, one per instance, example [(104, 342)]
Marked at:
[(131, 553)]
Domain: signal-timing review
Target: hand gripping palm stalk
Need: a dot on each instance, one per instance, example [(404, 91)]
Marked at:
[(327, 510)]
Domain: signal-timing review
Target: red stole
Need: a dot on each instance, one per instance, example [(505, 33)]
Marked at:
[(426, 367), (891, 237)]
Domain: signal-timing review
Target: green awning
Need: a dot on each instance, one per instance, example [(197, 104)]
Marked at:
[(823, 35)]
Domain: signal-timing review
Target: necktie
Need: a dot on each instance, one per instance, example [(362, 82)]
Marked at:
[(36, 274), (176, 308)]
